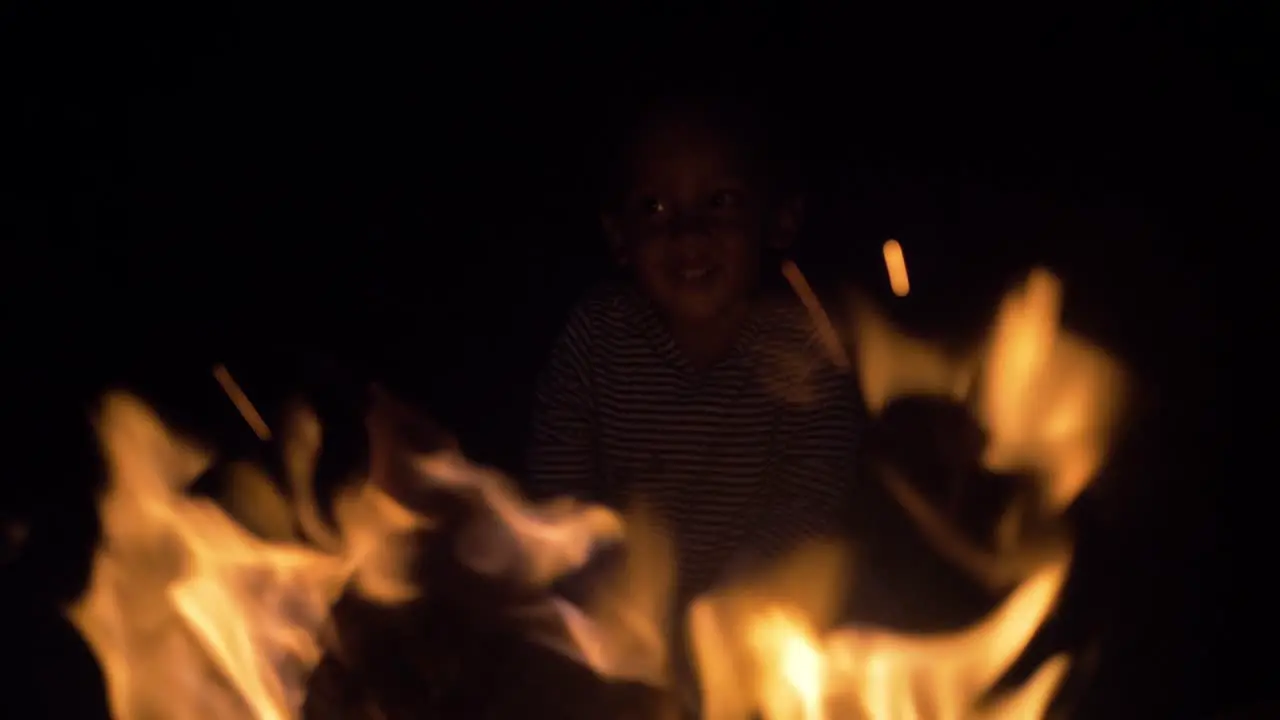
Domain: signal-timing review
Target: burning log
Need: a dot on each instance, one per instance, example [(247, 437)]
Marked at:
[(417, 662)]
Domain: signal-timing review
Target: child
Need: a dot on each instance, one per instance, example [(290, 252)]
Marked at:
[(692, 386)]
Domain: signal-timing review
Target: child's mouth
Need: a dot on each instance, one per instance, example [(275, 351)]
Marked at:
[(695, 274)]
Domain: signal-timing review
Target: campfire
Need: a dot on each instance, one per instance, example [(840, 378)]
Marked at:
[(199, 609)]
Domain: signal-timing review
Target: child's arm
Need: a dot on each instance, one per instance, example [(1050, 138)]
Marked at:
[(562, 457)]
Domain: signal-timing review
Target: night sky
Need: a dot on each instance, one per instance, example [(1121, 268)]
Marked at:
[(319, 199)]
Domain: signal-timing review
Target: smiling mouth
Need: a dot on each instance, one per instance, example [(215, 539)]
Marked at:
[(695, 273)]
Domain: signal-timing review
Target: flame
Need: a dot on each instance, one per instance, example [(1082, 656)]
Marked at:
[(188, 613), (192, 614), (1047, 402)]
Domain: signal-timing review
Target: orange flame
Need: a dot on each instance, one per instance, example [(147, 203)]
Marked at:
[(188, 614), (1047, 402), (192, 615)]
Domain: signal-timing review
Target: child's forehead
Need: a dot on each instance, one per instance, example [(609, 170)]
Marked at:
[(689, 140), (689, 146), (687, 126)]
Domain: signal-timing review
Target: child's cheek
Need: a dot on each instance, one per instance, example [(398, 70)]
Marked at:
[(646, 255), (647, 266)]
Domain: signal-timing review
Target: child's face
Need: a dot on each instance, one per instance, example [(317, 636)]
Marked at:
[(691, 223)]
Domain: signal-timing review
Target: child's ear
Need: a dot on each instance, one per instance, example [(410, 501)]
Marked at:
[(609, 224), (787, 222)]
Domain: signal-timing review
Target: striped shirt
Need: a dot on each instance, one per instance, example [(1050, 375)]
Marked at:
[(740, 461)]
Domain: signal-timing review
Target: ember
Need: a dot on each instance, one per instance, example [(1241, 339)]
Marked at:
[(191, 614), (896, 264)]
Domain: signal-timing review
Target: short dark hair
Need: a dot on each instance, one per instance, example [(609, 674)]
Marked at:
[(745, 115)]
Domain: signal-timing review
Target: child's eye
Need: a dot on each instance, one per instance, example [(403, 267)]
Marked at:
[(652, 207)]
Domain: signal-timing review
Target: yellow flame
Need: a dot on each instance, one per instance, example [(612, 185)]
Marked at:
[(799, 672), (896, 263), (192, 615), (188, 614), (1047, 401)]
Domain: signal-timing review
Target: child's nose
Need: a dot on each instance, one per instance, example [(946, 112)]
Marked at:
[(687, 226)]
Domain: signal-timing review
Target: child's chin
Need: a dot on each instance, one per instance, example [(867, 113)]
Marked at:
[(700, 307)]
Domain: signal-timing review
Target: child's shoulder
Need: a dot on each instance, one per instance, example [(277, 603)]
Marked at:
[(605, 309), (605, 299), (786, 320)]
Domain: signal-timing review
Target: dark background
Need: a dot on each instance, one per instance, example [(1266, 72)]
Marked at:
[(319, 198)]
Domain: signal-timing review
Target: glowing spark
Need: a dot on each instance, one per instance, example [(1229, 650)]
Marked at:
[(826, 331), (241, 401), (896, 264)]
